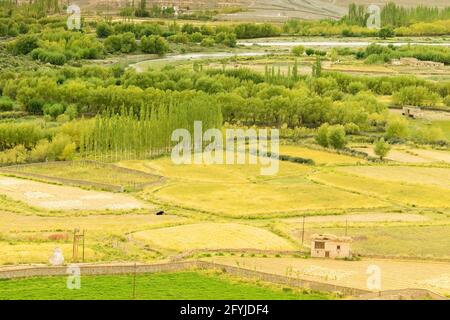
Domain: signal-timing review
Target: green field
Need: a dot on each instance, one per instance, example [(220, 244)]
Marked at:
[(173, 286)]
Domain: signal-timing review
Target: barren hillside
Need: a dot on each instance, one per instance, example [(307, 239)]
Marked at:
[(263, 10)]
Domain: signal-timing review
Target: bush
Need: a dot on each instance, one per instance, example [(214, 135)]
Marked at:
[(6, 104), (381, 148), (336, 136), (35, 106), (208, 42), (46, 56), (355, 87), (351, 128), (447, 101), (154, 44), (397, 129), (104, 30), (309, 51), (125, 43), (322, 135), (40, 151), (53, 110), (24, 44), (112, 43), (298, 51)]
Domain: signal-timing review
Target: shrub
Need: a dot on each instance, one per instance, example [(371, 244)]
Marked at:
[(40, 152), (6, 104), (309, 51), (336, 136), (355, 87), (53, 110), (351, 128), (298, 51), (24, 44), (154, 44), (447, 101), (208, 42), (112, 43), (104, 30), (381, 148), (322, 135), (46, 56), (396, 128)]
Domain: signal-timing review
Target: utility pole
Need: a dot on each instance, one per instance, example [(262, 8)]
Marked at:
[(76, 243), (134, 282), (83, 243), (303, 230)]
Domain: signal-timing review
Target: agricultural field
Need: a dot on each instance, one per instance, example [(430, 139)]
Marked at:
[(95, 174), (54, 197), (226, 236), (129, 139), (415, 274), (163, 286)]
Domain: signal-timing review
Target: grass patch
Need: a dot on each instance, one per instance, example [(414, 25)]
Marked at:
[(168, 286)]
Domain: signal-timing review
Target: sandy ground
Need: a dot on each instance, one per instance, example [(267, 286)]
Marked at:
[(55, 197), (430, 115), (434, 276)]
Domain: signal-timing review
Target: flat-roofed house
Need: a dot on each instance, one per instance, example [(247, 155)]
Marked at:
[(330, 246)]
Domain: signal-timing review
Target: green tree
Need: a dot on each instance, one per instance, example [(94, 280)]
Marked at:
[(322, 135), (104, 30), (336, 136), (381, 148), (386, 32)]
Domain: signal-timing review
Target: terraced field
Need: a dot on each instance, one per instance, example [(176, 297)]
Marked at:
[(434, 276), (213, 236)]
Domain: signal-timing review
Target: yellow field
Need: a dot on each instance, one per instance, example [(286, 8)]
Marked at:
[(21, 224), (411, 175), (412, 195), (213, 236), (26, 253), (319, 157), (259, 199), (211, 173)]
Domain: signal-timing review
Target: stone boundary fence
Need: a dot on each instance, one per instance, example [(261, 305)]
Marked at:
[(190, 253), (117, 269), (17, 170)]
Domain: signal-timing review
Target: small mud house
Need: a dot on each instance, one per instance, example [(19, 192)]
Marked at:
[(412, 112), (330, 246)]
